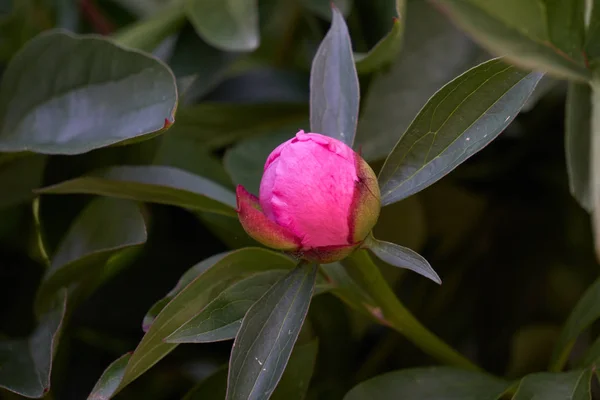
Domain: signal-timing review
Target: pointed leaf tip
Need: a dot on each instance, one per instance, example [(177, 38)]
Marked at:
[(402, 257), (334, 88), (459, 120)]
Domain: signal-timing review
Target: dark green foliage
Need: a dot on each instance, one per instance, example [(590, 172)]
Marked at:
[(125, 126)]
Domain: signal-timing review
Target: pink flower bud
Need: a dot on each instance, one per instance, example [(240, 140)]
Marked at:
[(318, 199)]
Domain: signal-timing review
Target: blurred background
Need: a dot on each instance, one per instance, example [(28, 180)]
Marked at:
[(512, 246)]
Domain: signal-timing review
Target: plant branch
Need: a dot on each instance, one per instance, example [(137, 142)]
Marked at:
[(394, 314)]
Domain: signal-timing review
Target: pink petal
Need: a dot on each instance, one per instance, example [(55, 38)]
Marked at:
[(310, 189)]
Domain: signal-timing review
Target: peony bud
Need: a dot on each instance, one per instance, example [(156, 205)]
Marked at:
[(318, 199)]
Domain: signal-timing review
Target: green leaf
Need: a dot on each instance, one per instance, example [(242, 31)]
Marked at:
[(221, 319), (67, 94), (148, 33), (434, 52), (185, 280), (245, 161), (155, 184), (573, 385), (296, 379), (402, 257), (212, 124), (19, 177), (293, 384), (26, 364), (544, 35), (228, 25), (386, 50), (193, 298), (578, 136), (334, 91), (266, 338), (458, 121), (110, 379), (436, 383), (583, 315), (104, 228)]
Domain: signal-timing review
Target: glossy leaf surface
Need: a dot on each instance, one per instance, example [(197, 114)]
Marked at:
[(155, 184), (458, 121), (67, 94), (266, 338), (334, 91)]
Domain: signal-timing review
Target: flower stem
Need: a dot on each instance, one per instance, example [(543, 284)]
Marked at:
[(394, 314)]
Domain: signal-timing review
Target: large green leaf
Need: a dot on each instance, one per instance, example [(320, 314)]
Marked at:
[(105, 227), (334, 91), (193, 298), (267, 336), (155, 184), (437, 383), (572, 385), (433, 53), (221, 319), (67, 94), (229, 25), (185, 280), (458, 121), (386, 50), (578, 136), (546, 35), (26, 365), (583, 315), (216, 125), (19, 177), (105, 388), (296, 379)]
